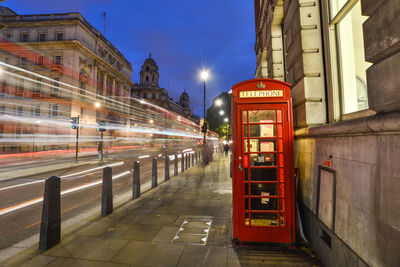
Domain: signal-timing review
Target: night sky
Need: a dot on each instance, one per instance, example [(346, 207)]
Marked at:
[(183, 36)]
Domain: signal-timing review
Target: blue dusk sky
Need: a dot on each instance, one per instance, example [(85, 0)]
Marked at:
[(183, 36)]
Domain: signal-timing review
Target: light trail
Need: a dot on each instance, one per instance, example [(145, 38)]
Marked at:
[(64, 176), (64, 192)]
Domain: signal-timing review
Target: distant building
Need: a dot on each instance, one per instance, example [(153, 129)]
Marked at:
[(149, 89)]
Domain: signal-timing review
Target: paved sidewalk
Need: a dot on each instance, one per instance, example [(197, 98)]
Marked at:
[(184, 222)]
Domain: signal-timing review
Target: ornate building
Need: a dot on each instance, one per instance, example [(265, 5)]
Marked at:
[(149, 89), (57, 66)]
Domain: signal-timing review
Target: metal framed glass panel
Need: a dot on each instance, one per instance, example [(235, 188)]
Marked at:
[(263, 167)]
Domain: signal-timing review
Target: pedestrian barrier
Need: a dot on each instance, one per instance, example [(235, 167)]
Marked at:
[(106, 195), (154, 175), (50, 227), (136, 180), (166, 167)]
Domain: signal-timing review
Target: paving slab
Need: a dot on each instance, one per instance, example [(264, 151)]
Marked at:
[(148, 254), (91, 248)]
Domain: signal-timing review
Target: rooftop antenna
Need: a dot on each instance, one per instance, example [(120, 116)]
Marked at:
[(105, 14)]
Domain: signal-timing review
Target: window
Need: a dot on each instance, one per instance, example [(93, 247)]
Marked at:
[(6, 60), (20, 86), (20, 111), (7, 36), (147, 78), (37, 111), (22, 61), (82, 87), (24, 37), (144, 95), (347, 19), (54, 111), (38, 86), (2, 110), (42, 37), (55, 87), (58, 60), (59, 36), (3, 86), (40, 60)]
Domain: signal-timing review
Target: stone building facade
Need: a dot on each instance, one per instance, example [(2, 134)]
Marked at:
[(72, 66), (342, 60), (150, 90)]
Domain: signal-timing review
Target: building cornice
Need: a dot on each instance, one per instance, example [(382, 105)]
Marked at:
[(61, 18)]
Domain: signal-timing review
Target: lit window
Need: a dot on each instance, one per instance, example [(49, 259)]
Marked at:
[(353, 81), (59, 36)]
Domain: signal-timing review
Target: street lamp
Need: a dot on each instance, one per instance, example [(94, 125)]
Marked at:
[(218, 102), (226, 120), (100, 146), (221, 112), (204, 77)]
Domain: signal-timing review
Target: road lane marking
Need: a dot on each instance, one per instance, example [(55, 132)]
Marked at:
[(40, 199), (64, 176), (93, 169)]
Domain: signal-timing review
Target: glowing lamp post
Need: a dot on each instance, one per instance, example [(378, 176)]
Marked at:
[(204, 77)]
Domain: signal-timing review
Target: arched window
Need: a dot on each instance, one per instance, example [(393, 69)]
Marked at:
[(147, 68), (147, 78)]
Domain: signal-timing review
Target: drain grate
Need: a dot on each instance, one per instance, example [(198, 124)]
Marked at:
[(193, 231)]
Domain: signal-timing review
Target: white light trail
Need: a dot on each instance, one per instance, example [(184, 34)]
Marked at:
[(144, 157), (64, 176), (64, 192)]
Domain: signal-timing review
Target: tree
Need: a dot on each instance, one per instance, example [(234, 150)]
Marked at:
[(215, 120)]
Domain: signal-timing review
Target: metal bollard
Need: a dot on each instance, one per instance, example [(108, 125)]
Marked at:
[(136, 180), (192, 159), (50, 226), (106, 192), (166, 168), (183, 163), (176, 165), (197, 160), (154, 175), (186, 161)]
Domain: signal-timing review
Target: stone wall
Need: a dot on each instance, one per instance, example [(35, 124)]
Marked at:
[(367, 214)]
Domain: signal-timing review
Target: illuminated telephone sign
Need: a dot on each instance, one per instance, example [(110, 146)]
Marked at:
[(263, 164)]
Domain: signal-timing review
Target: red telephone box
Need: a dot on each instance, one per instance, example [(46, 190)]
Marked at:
[(263, 164)]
